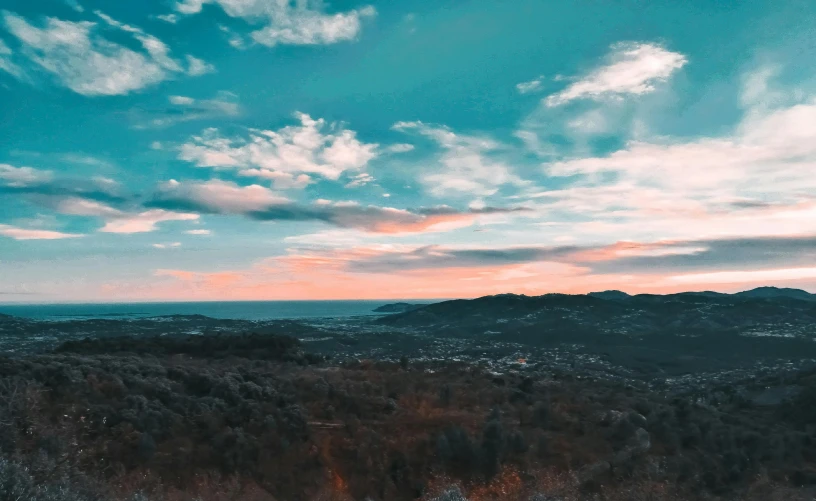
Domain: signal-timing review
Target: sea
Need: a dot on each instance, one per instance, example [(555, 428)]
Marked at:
[(242, 310)]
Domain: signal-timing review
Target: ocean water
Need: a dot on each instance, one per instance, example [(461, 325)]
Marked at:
[(244, 310)]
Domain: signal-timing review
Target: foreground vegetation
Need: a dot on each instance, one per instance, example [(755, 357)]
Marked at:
[(254, 417)]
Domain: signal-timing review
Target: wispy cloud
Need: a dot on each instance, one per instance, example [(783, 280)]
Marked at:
[(746, 276), (23, 176), (75, 5), (6, 63), (84, 61), (468, 162), (259, 203), (670, 258), (289, 23), (399, 148), (288, 156), (632, 68), (197, 67), (199, 232), (769, 159), (34, 234), (118, 221), (185, 109), (319, 271), (530, 86), (171, 245)]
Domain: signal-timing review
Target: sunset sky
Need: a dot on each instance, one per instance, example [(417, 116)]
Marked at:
[(274, 149)]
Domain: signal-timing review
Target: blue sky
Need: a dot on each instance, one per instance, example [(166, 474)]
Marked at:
[(264, 149)]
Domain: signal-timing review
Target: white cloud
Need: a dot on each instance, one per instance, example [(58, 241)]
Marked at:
[(531, 86), (361, 179), (288, 156), (399, 148), (288, 23), (197, 67), (591, 122), (144, 222), (234, 39), (199, 232), (85, 62), (172, 245), (26, 234), (756, 181), (777, 148), (468, 163), (168, 18), (117, 221), (633, 68), (22, 176), (223, 196), (75, 5), (5, 61), (181, 100), (281, 180)]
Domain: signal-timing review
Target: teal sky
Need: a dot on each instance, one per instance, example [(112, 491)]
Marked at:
[(272, 149)]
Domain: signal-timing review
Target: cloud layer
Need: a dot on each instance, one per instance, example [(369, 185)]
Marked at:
[(632, 68), (83, 60), (259, 203), (288, 23), (290, 157)]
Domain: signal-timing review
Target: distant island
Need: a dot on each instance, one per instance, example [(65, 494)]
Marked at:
[(398, 307)]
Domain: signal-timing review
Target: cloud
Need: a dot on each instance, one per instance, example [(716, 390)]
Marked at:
[(468, 162), (219, 197), (172, 245), (315, 276), (321, 270), (632, 68), (753, 181), (168, 18), (288, 23), (5, 61), (663, 258), (747, 276), (531, 86), (197, 67), (187, 109), (75, 5), (199, 232), (234, 39), (118, 221), (438, 256), (288, 156), (28, 234), (262, 204), (23, 176), (361, 179), (181, 100), (144, 222), (399, 148), (89, 64), (770, 157), (43, 188), (722, 254)]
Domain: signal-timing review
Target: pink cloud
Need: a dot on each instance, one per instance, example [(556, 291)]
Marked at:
[(26, 234)]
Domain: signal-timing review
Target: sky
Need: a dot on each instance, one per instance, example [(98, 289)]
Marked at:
[(169, 150)]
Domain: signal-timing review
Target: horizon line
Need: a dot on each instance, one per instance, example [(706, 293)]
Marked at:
[(327, 300)]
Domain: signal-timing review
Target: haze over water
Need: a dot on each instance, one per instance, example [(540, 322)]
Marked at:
[(243, 310)]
